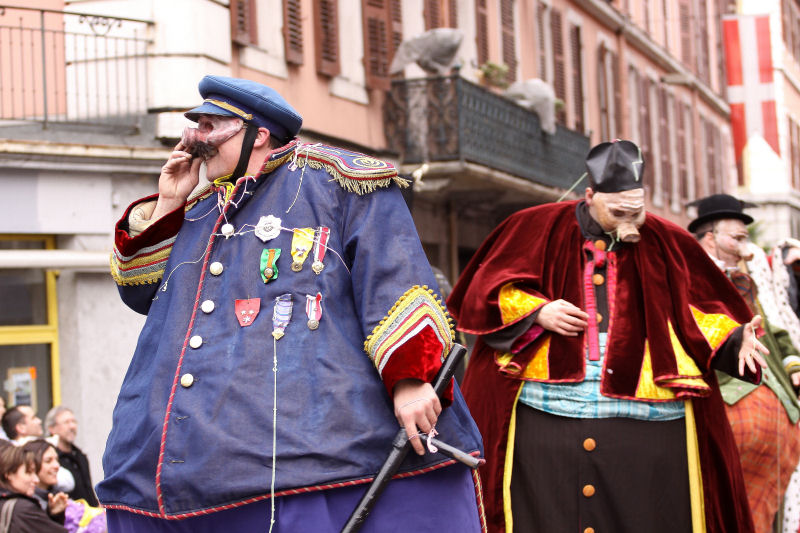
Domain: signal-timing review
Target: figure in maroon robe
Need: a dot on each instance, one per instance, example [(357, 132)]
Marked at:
[(592, 377)]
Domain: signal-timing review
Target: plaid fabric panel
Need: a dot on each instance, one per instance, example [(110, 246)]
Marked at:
[(769, 446)]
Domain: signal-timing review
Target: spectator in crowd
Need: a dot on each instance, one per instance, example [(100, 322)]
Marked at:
[(61, 423), (3, 435), (79, 517), (21, 424), (18, 481), (763, 417)]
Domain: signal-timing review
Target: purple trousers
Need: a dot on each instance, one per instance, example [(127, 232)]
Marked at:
[(443, 501)]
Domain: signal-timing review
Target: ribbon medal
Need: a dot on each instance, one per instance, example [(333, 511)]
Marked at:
[(281, 314), (320, 247), (269, 264), (302, 241), (268, 228), (247, 311), (314, 310)]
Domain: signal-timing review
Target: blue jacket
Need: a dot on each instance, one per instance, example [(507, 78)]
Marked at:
[(182, 444)]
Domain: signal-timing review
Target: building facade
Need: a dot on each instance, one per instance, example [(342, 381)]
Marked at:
[(92, 94)]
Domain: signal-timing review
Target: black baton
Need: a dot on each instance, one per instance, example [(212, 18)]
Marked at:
[(400, 448)]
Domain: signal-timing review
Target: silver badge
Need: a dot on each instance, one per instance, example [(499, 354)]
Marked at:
[(268, 228)]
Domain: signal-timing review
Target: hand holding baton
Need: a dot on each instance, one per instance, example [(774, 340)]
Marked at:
[(401, 446)]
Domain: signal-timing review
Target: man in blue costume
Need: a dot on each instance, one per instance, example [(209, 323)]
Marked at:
[(291, 324)]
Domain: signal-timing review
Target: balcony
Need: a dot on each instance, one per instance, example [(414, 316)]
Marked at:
[(61, 67), (450, 119)]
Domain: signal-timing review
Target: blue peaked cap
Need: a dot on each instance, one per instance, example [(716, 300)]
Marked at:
[(248, 100)]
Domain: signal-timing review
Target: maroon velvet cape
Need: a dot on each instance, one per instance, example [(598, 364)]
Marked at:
[(540, 250)]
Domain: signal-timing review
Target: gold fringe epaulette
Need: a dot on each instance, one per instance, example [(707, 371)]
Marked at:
[(353, 171)]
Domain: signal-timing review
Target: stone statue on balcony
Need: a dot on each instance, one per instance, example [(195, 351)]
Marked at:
[(538, 96), (434, 51)]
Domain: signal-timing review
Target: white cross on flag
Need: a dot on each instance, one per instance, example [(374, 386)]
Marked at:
[(751, 91)]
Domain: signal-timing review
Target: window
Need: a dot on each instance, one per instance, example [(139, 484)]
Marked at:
[(794, 151), (609, 93), (383, 33), (243, 22), (326, 37), (645, 130), (541, 26), (29, 363), (664, 126), (702, 51)]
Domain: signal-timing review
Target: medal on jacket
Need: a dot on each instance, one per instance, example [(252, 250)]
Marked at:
[(314, 310), (247, 310), (268, 228), (320, 247), (302, 241), (281, 314), (269, 264)]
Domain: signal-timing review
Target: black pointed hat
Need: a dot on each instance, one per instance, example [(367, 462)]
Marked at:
[(615, 166), (717, 207)]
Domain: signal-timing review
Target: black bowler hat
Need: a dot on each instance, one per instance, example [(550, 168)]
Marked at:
[(718, 207), (615, 166), (250, 101)]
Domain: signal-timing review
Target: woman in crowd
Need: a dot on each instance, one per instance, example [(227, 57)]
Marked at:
[(78, 517), (18, 481)]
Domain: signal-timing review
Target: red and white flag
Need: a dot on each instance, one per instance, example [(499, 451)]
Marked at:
[(751, 89)]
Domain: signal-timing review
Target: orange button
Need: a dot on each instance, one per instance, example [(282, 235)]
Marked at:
[(588, 530), (600, 245), (599, 318), (589, 444), (588, 491), (598, 279)]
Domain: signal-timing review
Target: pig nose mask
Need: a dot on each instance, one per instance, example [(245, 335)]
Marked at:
[(211, 133)]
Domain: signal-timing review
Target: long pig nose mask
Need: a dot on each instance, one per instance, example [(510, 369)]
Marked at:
[(211, 132), (621, 214)]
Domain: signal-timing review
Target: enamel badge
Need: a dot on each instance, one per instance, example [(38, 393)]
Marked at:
[(268, 228), (314, 310), (269, 264), (247, 310), (281, 315)]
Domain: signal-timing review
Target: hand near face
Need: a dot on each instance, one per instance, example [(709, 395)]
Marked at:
[(179, 176), (56, 503), (562, 317)]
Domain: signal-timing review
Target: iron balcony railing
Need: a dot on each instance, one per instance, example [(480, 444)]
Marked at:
[(449, 118), (61, 66)]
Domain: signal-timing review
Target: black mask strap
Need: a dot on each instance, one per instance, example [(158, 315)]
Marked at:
[(250, 134)]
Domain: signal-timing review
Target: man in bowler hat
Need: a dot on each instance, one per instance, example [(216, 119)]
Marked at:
[(763, 417), (292, 324), (592, 377)]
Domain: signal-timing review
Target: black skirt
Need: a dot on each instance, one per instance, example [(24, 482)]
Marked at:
[(610, 475)]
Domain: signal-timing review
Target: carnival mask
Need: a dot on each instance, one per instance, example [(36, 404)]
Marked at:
[(620, 214), (211, 132)]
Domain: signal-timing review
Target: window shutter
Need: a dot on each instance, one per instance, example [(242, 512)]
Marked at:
[(645, 132), (452, 13), (432, 13), (711, 152), (292, 31), (383, 33), (541, 14), (702, 52), (244, 28), (794, 142), (682, 138), (326, 37), (481, 31), (685, 17), (577, 78), (559, 75), (509, 46), (666, 137), (602, 92), (616, 90)]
